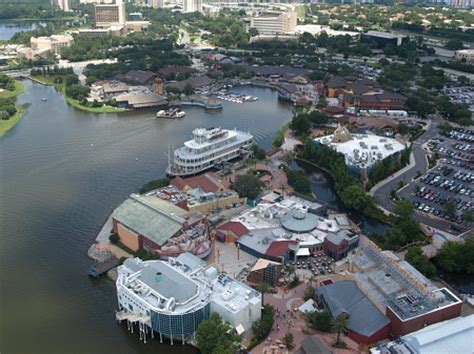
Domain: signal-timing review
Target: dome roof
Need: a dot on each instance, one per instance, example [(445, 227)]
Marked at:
[(298, 221)]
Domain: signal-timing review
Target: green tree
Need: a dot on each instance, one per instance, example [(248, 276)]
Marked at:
[(448, 257), (262, 327), (319, 320), (289, 341), (188, 89), (215, 334), (299, 181), (449, 208), (300, 124), (248, 186), (340, 324), (309, 293), (468, 216), (454, 44), (417, 259), (258, 153), (404, 208), (114, 238), (264, 288), (318, 118)]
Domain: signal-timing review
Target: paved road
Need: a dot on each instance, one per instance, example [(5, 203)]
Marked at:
[(382, 194)]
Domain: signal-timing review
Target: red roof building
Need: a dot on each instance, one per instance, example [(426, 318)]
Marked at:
[(208, 182), (279, 249), (231, 231)]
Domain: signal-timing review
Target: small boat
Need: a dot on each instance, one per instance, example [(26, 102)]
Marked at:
[(44, 99), (170, 114)]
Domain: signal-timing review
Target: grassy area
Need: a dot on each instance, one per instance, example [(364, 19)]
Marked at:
[(19, 89), (49, 80), (6, 125)]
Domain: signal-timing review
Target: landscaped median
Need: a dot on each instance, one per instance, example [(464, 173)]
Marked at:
[(61, 87)]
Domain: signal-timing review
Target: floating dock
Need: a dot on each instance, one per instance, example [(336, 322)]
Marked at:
[(100, 268)]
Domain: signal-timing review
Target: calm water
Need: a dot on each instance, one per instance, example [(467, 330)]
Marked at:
[(8, 29), (61, 173)]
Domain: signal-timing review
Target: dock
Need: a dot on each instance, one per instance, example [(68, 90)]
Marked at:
[(99, 268)]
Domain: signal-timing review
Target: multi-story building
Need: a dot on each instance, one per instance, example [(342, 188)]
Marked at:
[(172, 298), (106, 15), (265, 271), (208, 148), (52, 43), (273, 23), (96, 1), (192, 5), (62, 4), (463, 4)]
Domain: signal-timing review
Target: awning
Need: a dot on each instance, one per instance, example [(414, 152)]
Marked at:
[(240, 329), (308, 306), (302, 252)]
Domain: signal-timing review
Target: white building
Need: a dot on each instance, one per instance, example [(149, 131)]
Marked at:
[(361, 150), (316, 30), (62, 4), (273, 23), (173, 297), (208, 148), (465, 54), (192, 5), (452, 336)]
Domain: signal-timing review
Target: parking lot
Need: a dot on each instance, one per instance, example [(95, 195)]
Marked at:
[(447, 191)]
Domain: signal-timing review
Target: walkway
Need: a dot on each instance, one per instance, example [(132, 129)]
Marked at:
[(289, 321)]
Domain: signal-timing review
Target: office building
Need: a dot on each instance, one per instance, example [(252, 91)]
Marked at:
[(106, 15), (62, 4), (383, 38), (273, 23), (173, 297)]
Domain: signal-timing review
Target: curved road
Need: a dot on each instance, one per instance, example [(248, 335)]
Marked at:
[(382, 193)]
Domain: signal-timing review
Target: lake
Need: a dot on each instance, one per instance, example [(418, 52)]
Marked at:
[(8, 29), (62, 172)]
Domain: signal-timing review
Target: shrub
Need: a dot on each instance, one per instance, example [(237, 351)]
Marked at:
[(114, 238)]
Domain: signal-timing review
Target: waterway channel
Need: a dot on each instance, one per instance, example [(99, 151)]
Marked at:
[(62, 171)]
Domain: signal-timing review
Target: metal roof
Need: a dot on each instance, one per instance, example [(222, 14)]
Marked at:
[(151, 217), (299, 221), (345, 297)]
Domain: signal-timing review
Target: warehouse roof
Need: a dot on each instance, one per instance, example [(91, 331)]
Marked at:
[(345, 297), (155, 219)]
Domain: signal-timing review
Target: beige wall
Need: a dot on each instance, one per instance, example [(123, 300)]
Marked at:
[(128, 237)]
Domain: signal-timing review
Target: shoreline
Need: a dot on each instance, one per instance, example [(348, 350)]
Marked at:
[(8, 124), (43, 80)]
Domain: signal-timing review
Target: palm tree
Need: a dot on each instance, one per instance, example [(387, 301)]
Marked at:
[(283, 189), (340, 323), (290, 270), (264, 288)]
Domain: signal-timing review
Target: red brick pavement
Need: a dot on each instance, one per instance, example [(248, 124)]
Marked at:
[(289, 321)]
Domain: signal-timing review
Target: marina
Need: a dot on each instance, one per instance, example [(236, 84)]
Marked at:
[(234, 97), (91, 159)]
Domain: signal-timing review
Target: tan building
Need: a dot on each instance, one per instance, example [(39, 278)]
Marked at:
[(273, 23), (265, 271), (108, 15), (52, 43)]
